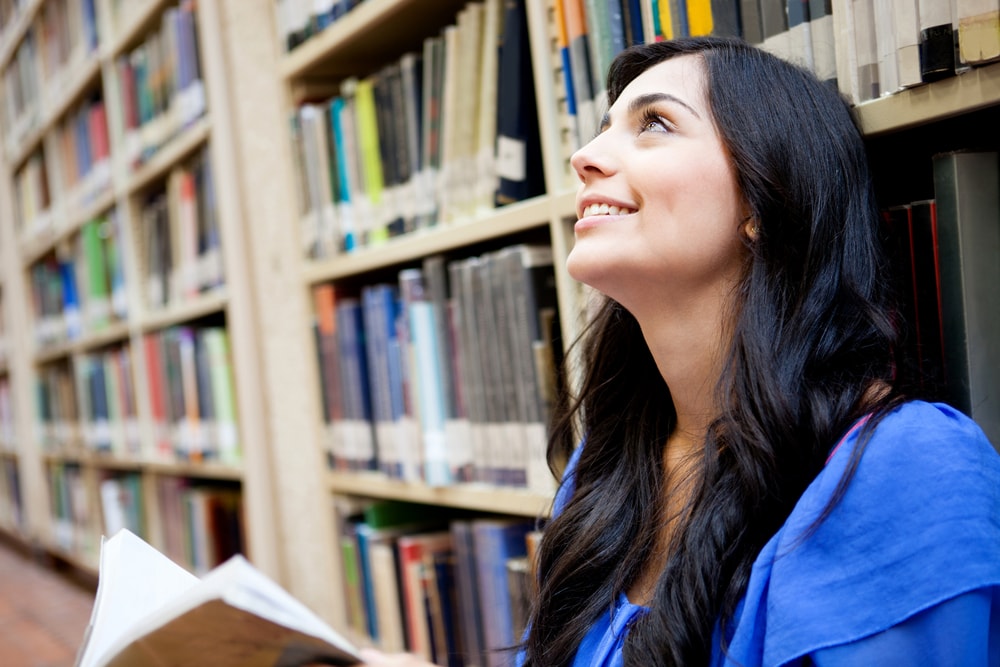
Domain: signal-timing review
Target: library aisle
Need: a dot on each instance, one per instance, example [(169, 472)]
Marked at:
[(43, 613)]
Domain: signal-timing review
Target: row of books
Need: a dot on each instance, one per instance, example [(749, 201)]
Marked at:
[(20, 105), (201, 522), (72, 513), (109, 418), (946, 251), (68, 33), (32, 195), (452, 590), (889, 45), (179, 237), (298, 20), (122, 503), (62, 38), (11, 508), (433, 138), (587, 34), (79, 288), (57, 414), (192, 395), (84, 154), (446, 375), (161, 84)]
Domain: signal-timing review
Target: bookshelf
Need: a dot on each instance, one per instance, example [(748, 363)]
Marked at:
[(100, 455), (298, 510)]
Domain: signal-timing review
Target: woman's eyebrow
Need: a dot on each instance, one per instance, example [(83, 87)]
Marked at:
[(640, 102)]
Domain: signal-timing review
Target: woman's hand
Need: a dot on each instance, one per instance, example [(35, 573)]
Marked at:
[(375, 658)]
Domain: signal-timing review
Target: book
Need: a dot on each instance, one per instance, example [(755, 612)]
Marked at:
[(967, 191), (978, 30), (937, 42), (149, 610), (518, 146)]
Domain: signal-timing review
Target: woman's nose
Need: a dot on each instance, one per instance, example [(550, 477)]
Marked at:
[(594, 158)]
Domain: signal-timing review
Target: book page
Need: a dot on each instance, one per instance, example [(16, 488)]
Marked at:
[(151, 611), (134, 581)]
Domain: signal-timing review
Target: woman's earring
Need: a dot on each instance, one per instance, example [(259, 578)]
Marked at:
[(752, 229)]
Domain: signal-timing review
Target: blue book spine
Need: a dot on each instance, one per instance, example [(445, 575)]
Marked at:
[(71, 300), (343, 175)]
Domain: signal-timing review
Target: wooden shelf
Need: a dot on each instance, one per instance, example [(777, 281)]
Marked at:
[(36, 247), (969, 91), (54, 352), (182, 145), (199, 470), (13, 35), (139, 21), (206, 304), (481, 498), (511, 219), (87, 74), (113, 333), (347, 47)]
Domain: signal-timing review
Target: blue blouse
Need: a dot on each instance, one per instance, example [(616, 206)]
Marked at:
[(904, 571)]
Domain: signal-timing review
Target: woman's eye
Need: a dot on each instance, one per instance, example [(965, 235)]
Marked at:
[(655, 123)]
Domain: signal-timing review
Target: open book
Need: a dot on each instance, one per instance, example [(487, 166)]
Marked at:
[(150, 611)]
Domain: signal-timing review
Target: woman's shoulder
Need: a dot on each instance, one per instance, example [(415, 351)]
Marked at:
[(917, 450), (917, 524)]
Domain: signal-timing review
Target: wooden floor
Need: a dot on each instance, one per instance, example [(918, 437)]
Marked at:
[(43, 611)]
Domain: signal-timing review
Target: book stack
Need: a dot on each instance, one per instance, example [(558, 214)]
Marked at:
[(888, 45), (161, 84), (84, 153), (79, 287), (946, 271), (109, 418), (447, 588), (33, 196), (200, 524), (192, 395), (446, 375), (180, 242), (299, 20), (437, 137), (56, 408)]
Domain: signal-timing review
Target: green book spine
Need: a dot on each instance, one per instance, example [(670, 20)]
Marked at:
[(98, 300)]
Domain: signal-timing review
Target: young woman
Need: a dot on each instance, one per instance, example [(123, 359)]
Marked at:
[(752, 488)]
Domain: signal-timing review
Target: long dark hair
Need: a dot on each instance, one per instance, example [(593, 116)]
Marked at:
[(812, 334)]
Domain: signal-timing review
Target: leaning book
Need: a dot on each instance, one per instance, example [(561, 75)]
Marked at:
[(150, 611)]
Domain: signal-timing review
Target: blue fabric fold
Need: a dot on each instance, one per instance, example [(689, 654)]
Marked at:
[(905, 568)]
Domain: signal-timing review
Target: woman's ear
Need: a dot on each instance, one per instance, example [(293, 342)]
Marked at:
[(750, 228)]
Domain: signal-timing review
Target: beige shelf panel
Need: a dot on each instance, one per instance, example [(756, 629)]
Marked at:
[(177, 149), (50, 353), (519, 217), (12, 36), (114, 333), (35, 247), (468, 496), (206, 304), (199, 470), (139, 22), (360, 39), (91, 459), (86, 76), (972, 90)]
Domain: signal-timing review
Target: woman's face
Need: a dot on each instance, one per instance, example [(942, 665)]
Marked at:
[(659, 211)]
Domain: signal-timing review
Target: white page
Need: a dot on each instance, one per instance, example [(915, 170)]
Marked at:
[(143, 581)]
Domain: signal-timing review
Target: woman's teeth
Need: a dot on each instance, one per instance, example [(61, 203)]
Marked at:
[(605, 209)]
